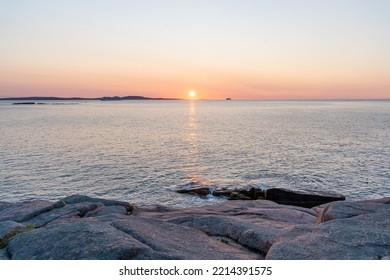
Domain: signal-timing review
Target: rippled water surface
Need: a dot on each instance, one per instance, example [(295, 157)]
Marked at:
[(142, 151)]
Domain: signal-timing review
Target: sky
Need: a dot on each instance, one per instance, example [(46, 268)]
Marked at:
[(243, 49)]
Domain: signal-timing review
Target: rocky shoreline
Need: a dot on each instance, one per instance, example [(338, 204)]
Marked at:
[(278, 195), (81, 227)]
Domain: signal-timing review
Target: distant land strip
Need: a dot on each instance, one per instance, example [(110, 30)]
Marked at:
[(105, 98)]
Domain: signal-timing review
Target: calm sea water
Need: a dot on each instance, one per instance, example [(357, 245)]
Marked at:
[(142, 151)]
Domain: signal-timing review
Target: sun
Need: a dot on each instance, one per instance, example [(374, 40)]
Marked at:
[(192, 94)]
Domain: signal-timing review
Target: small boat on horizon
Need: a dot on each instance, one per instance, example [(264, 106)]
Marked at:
[(228, 98)]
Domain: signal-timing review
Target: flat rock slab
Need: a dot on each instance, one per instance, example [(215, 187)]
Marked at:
[(80, 227), (252, 224), (344, 230), (4, 205), (131, 238), (22, 211), (74, 199), (85, 228), (348, 209), (180, 242), (77, 241)]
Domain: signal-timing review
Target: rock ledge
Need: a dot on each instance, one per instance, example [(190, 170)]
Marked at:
[(81, 227)]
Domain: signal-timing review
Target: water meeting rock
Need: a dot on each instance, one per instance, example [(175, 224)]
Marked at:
[(279, 195)]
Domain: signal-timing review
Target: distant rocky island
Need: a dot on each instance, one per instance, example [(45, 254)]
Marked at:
[(133, 97), (104, 98), (274, 224)]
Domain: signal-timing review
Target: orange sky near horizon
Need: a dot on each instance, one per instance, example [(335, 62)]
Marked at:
[(238, 49)]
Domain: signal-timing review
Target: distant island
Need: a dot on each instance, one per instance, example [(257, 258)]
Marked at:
[(134, 97), (105, 98)]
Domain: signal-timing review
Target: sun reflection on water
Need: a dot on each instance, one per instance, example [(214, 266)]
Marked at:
[(193, 164)]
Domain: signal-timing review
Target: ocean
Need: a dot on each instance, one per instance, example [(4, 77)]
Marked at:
[(143, 151)]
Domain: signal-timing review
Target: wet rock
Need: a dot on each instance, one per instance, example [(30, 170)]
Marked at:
[(278, 195), (252, 193), (246, 194), (222, 192), (196, 190), (300, 198), (232, 194), (238, 196)]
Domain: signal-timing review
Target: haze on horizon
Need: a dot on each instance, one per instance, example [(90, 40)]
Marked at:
[(244, 49)]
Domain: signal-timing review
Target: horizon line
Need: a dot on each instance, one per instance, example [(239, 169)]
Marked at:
[(140, 97)]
